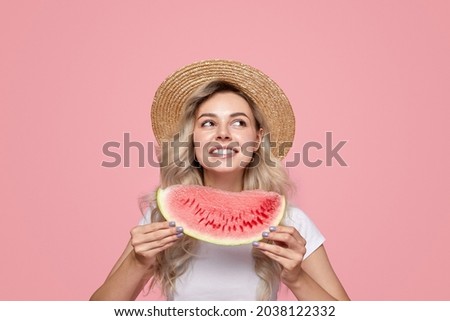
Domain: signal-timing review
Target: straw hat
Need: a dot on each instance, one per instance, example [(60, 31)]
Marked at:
[(172, 94)]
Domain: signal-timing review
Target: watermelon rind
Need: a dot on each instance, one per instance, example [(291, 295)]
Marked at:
[(251, 212)]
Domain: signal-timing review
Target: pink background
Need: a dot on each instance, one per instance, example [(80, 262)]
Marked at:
[(77, 74)]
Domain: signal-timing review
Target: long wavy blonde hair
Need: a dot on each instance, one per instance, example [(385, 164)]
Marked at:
[(264, 172)]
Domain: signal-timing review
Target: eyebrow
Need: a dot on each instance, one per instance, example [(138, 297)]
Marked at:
[(215, 116)]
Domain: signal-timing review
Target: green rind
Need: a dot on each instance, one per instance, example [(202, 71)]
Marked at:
[(160, 199)]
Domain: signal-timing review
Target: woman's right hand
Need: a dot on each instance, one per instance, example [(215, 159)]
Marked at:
[(150, 239), (133, 269)]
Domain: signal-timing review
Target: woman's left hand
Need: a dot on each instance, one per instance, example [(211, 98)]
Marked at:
[(288, 249)]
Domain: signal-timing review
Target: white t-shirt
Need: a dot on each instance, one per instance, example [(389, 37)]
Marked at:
[(224, 273)]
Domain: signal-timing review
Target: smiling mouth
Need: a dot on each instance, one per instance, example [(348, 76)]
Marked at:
[(223, 152)]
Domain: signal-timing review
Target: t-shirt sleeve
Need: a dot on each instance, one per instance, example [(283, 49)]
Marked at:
[(308, 230), (145, 219)]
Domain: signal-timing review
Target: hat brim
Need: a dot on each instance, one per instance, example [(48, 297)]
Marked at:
[(172, 94)]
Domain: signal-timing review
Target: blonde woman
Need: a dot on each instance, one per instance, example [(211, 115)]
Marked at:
[(225, 125)]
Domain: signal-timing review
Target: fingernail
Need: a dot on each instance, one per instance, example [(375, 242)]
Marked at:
[(272, 228), (255, 244), (172, 224), (180, 235), (179, 229), (265, 234)]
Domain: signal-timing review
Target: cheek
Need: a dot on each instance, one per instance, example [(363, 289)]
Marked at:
[(199, 144), (249, 141), (198, 139)]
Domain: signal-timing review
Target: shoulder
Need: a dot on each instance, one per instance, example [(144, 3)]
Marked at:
[(146, 216), (296, 217), (305, 226), (294, 213)]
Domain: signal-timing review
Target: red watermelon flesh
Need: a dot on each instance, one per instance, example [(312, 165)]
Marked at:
[(221, 217)]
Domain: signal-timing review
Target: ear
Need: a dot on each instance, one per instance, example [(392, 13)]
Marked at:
[(259, 137)]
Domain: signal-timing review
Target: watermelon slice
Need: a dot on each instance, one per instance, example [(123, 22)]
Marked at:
[(221, 217)]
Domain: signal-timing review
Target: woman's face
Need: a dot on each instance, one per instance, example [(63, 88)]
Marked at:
[(225, 134)]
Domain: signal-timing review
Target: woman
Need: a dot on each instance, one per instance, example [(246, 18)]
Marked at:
[(225, 125)]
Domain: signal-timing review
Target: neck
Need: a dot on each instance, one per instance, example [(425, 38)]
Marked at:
[(223, 181)]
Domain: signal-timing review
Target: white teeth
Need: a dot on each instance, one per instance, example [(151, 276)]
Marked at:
[(222, 151)]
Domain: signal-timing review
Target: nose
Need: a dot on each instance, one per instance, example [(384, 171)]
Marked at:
[(223, 132)]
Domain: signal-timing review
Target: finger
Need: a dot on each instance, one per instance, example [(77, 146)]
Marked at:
[(287, 258), (156, 237), (162, 248), (274, 249), (284, 262), (286, 239), (149, 228), (153, 227), (157, 244), (287, 230), (154, 251)]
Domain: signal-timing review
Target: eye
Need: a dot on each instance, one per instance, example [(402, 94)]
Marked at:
[(239, 123), (207, 123)]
